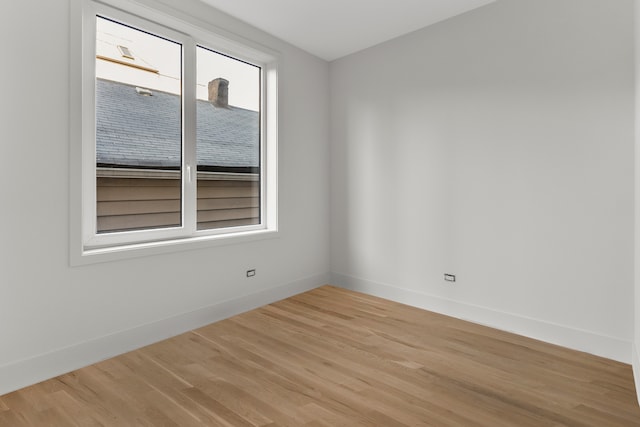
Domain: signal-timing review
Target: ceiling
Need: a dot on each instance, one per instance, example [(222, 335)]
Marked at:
[(332, 29)]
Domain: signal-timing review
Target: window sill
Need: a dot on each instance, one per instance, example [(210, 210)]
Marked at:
[(114, 253)]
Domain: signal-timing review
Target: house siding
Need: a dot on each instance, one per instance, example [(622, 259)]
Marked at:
[(130, 203)]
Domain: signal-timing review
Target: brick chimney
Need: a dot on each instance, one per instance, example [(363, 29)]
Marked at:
[(219, 92)]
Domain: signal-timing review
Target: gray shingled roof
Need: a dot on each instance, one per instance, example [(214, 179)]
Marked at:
[(133, 130)]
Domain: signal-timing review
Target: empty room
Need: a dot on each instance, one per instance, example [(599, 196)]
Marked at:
[(320, 213)]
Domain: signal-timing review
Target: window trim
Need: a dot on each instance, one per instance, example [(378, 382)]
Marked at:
[(86, 246)]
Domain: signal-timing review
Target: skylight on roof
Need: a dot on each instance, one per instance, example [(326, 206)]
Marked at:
[(125, 52)]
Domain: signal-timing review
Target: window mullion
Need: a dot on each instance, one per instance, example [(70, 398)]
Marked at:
[(189, 135)]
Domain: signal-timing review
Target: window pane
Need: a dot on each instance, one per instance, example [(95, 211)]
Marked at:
[(228, 141), (138, 129)]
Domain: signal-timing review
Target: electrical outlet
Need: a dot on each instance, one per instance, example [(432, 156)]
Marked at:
[(449, 277), (251, 273)]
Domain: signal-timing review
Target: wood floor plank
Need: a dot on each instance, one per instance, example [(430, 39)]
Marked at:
[(333, 357)]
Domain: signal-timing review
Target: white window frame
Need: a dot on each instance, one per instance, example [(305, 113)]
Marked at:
[(88, 246)]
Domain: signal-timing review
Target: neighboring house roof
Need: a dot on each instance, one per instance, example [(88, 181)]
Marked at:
[(138, 131)]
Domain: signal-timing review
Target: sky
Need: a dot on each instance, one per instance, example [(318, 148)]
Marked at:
[(152, 53)]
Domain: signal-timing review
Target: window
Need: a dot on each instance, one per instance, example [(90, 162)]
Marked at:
[(175, 135)]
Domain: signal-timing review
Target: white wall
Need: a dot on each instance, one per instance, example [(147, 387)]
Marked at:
[(53, 317), (497, 146), (636, 258)]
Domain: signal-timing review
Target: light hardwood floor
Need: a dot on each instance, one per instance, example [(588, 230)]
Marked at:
[(331, 357)]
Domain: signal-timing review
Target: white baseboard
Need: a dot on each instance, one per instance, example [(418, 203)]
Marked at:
[(577, 339), (636, 369), (30, 371)]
